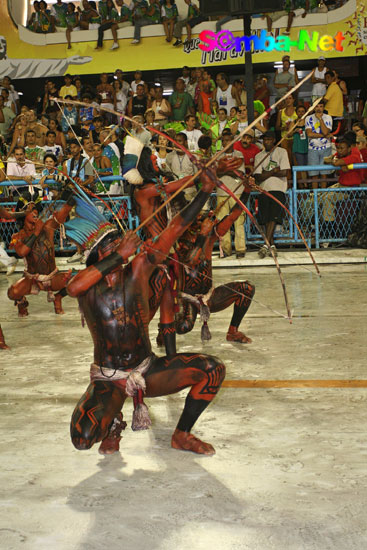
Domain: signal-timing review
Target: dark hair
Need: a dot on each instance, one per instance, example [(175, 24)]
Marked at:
[(145, 165), (182, 134), (235, 108), (330, 73), (189, 116), (222, 109), (224, 76), (204, 142), (19, 147), (51, 156), (50, 133), (226, 132), (68, 97), (349, 137), (74, 142), (30, 132), (93, 256)]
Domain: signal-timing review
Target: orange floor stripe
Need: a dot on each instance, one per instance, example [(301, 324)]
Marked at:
[(294, 384)]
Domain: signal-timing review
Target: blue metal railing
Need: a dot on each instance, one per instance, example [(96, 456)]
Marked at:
[(324, 215)]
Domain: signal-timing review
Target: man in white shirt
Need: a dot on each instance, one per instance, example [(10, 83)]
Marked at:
[(271, 174), (22, 169), (140, 133), (225, 94), (51, 146), (318, 129), (232, 181), (180, 165), (192, 133)]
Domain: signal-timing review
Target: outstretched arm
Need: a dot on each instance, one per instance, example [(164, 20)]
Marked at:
[(151, 190), (90, 276), (23, 247), (158, 251), (59, 217)]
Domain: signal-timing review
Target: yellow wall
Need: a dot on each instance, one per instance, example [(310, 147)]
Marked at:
[(154, 53)]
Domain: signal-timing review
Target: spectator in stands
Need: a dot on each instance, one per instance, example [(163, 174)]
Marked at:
[(262, 92), (224, 205), (193, 13), (13, 94), (139, 103), (86, 114), (33, 124), (143, 15), (300, 143), (69, 115), (22, 169), (169, 18), (7, 116), (18, 137), (318, 79), (271, 174), (193, 21), (103, 167), (318, 129), (241, 121), (285, 118), (359, 129), (106, 95), (249, 150), (89, 18), (109, 20), (225, 94), (186, 73), (49, 173), (161, 106), (125, 17), (125, 86), (46, 20), (362, 146), (49, 106), (7, 101), (191, 132), (60, 138), (219, 124), (72, 23), (240, 92), (204, 151), (68, 88), (333, 98), (34, 20), (111, 150), (121, 98), (139, 132), (181, 102), (138, 79), (346, 155), (180, 165), (98, 124), (59, 11), (160, 152), (284, 81), (51, 146), (33, 152)]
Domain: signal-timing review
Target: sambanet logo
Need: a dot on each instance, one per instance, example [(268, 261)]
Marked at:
[(226, 41)]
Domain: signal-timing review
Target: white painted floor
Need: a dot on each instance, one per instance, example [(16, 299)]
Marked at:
[(290, 471)]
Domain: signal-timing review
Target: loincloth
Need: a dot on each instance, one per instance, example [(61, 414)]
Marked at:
[(41, 282), (200, 301), (133, 378)]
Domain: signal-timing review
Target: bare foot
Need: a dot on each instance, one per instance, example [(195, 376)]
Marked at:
[(3, 346), (69, 46), (185, 441), (238, 337), (111, 443)]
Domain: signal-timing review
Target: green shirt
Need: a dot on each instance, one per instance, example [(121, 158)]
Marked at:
[(300, 141), (169, 12), (156, 15), (193, 11), (125, 11), (60, 14), (184, 101), (139, 8), (107, 15)]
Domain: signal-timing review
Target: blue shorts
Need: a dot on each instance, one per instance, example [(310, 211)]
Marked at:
[(316, 158)]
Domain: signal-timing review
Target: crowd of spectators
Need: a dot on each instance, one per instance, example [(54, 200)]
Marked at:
[(203, 113), (114, 15)]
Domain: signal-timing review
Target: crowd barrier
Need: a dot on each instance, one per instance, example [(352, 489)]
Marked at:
[(323, 215)]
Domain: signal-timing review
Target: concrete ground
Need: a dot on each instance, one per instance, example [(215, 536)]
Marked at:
[(290, 470)]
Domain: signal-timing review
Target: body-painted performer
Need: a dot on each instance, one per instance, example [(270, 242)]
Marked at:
[(198, 294), (149, 192), (35, 243), (11, 216), (115, 302)]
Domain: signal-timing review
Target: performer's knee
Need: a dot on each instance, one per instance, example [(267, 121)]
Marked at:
[(11, 294), (215, 364), (82, 444)]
